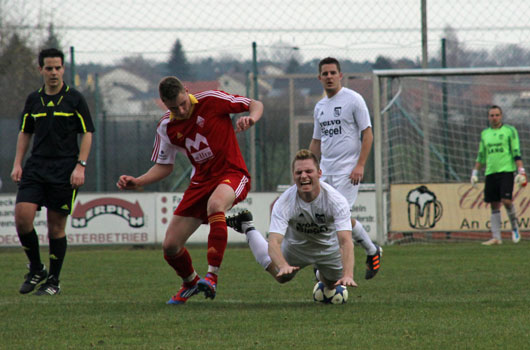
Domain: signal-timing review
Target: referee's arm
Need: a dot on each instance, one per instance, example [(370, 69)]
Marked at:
[(23, 141)]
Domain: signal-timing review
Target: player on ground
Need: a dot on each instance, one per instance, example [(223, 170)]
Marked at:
[(342, 138), (499, 150), (310, 225), (55, 114), (200, 126)]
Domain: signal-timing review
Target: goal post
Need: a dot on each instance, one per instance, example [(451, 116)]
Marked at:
[(427, 125)]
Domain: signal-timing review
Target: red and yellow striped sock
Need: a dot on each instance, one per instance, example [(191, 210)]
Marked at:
[(217, 238)]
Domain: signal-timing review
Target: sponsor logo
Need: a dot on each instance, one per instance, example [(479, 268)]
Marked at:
[(131, 212), (194, 148), (321, 218), (310, 228), (424, 210), (200, 121)]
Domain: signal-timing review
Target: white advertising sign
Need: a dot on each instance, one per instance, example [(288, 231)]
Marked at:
[(258, 203), (96, 219), (364, 212), (143, 218)]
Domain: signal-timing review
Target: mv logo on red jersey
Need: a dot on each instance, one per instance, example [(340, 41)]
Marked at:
[(194, 148), (131, 212)]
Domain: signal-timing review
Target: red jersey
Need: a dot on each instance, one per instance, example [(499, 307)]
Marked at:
[(207, 137)]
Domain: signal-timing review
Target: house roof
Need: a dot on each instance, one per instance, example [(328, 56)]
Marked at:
[(197, 86)]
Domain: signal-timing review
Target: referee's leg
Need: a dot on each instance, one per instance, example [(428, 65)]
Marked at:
[(24, 216)]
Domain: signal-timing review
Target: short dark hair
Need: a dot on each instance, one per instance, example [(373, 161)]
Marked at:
[(494, 107), (305, 154), (328, 60), (51, 52), (169, 88)]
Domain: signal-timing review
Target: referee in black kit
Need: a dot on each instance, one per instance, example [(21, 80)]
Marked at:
[(55, 114)]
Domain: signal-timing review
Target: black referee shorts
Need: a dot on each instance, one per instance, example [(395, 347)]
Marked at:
[(498, 186), (46, 182)]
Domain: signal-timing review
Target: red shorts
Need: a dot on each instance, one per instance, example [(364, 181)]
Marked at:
[(195, 200)]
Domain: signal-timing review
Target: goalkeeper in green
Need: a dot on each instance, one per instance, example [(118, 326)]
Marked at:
[(499, 150)]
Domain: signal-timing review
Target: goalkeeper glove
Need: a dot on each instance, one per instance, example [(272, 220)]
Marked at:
[(520, 178), (474, 177)]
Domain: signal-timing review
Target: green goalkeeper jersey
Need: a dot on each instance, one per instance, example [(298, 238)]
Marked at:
[(498, 149)]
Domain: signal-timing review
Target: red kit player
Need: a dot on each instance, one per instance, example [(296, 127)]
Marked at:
[(199, 125)]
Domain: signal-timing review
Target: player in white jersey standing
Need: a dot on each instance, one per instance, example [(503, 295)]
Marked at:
[(310, 225), (342, 138)]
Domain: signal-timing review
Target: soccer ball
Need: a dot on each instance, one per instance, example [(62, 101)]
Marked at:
[(337, 295)]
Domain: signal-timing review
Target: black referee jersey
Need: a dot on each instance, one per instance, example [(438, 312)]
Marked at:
[(55, 122)]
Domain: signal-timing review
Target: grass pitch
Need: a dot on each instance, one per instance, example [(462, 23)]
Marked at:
[(442, 296)]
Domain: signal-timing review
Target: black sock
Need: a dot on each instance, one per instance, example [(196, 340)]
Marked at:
[(30, 244), (57, 253)]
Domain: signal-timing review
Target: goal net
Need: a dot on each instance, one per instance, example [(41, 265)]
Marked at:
[(427, 126)]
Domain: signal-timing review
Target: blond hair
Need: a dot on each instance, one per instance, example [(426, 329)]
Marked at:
[(305, 154)]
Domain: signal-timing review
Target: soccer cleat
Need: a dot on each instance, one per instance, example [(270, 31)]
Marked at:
[(187, 290), (208, 285), (493, 241), (50, 287), (373, 262), (33, 278), (516, 237), (241, 222)]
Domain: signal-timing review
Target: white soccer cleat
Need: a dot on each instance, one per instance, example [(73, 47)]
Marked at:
[(493, 241)]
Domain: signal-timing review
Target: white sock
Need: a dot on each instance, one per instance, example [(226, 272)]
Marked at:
[(360, 236), (259, 247), (496, 224), (214, 269), (513, 217), (190, 277)]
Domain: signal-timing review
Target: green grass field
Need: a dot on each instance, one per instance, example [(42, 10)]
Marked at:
[(441, 296)]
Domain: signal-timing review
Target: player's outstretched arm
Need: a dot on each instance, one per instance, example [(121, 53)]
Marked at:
[(156, 173), (255, 111), (346, 250), (285, 271)]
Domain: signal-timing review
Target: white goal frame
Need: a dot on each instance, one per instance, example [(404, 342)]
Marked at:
[(382, 188)]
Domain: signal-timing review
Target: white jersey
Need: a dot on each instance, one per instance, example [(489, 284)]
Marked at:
[(339, 121), (311, 228)]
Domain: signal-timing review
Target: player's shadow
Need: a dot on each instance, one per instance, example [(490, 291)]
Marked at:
[(249, 305)]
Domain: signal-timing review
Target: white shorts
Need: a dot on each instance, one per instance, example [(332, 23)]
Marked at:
[(329, 265), (342, 183)]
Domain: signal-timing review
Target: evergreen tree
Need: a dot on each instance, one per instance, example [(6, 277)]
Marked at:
[(178, 64), (382, 62), (293, 66), (19, 75), (53, 40)]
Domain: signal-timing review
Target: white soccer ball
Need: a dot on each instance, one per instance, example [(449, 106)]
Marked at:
[(323, 294)]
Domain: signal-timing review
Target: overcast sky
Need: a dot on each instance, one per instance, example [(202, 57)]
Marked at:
[(103, 31)]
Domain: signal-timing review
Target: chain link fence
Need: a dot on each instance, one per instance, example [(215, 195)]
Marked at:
[(116, 52)]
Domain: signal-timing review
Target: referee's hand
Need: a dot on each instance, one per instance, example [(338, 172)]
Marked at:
[(77, 179), (16, 174)]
